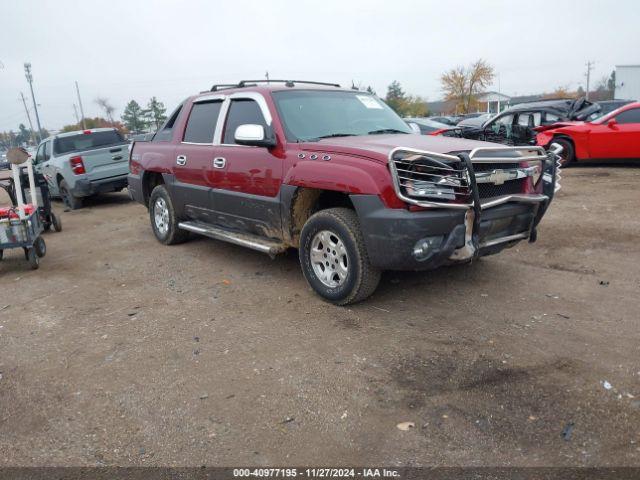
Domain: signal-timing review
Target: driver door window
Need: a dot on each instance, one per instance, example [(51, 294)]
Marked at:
[(241, 112)]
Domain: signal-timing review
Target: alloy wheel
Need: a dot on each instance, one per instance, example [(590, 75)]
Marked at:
[(329, 258)]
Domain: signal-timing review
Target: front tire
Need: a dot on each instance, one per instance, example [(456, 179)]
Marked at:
[(334, 258), (163, 218)]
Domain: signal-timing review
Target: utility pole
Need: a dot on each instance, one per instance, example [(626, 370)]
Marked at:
[(589, 68), (75, 113), (80, 103), (24, 102), (27, 74)]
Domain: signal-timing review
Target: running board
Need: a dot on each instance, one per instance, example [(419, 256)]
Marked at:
[(254, 242)]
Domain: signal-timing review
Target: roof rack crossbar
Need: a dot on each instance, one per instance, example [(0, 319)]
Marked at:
[(288, 83)]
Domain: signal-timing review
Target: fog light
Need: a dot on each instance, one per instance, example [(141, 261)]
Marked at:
[(425, 247)]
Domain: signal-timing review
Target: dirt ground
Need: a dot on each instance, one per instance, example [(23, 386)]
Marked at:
[(122, 351)]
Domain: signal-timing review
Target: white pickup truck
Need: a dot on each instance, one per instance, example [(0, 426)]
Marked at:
[(83, 163)]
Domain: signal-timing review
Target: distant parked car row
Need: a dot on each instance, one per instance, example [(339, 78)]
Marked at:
[(608, 130)]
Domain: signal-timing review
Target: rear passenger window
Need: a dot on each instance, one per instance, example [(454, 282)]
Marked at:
[(202, 122), (166, 132), (629, 116), (240, 113)]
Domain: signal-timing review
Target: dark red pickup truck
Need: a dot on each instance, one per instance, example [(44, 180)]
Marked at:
[(338, 175)]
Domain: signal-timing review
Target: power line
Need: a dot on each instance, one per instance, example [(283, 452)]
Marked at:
[(24, 102), (80, 103), (590, 65), (27, 74)]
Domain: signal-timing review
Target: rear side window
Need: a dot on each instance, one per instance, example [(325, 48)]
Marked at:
[(240, 113), (166, 132), (85, 141), (629, 116), (202, 122)]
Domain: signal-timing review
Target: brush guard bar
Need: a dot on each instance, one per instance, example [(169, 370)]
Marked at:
[(453, 178)]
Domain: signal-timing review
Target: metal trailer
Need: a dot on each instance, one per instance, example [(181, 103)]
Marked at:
[(20, 224)]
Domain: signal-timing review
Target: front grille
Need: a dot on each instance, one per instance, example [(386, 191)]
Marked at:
[(489, 190)]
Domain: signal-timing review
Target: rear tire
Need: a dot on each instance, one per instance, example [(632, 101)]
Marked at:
[(334, 258), (567, 156), (73, 203), (164, 220)]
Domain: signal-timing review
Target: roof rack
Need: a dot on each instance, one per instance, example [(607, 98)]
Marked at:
[(222, 86), (251, 83)]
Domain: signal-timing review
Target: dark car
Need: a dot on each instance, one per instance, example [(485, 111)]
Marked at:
[(453, 121), (608, 106), (515, 125)]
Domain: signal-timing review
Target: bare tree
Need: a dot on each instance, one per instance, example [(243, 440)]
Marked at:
[(105, 104), (462, 85)]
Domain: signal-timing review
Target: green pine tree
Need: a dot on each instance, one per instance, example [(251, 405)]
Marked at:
[(133, 117)]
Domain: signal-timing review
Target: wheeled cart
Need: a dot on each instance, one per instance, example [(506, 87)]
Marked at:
[(21, 225)]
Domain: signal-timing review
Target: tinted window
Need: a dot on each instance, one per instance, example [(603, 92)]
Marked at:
[(629, 116), (202, 122), (86, 141), (240, 113), (165, 133)]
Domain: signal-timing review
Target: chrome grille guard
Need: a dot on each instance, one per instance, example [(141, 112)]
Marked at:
[(455, 175), (448, 177)]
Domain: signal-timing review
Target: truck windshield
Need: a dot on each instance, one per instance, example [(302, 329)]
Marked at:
[(86, 141), (309, 115)]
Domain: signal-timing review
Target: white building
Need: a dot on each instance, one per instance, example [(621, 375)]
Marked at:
[(627, 82), (493, 102)]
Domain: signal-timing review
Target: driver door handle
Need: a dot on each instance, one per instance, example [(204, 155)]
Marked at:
[(181, 160), (219, 162)]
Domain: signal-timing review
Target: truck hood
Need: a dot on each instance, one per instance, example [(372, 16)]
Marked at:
[(378, 147)]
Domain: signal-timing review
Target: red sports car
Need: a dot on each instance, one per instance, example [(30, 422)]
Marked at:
[(615, 136)]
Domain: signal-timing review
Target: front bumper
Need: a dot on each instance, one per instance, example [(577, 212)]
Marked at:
[(85, 187), (399, 239), (391, 235)]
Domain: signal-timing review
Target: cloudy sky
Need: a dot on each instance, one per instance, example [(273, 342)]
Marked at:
[(135, 49)]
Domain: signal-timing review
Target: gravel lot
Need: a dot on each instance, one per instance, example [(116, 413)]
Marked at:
[(122, 351)]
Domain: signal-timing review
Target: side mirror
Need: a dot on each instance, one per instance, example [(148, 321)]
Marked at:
[(414, 126), (612, 123), (254, 136)]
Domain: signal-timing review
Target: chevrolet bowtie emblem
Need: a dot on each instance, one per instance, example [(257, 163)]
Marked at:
[(497, 177)]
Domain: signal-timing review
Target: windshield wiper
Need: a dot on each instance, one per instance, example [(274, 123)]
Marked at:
[(331, 135), (385, 130)]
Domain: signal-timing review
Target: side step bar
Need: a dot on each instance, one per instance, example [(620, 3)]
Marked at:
[(255, 242)]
